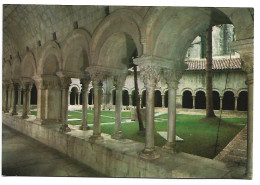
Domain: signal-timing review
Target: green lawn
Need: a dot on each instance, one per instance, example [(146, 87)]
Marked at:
[(199, 138)]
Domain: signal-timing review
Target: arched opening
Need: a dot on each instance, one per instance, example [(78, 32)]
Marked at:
[(74, 96), (242, 101), (187, 101), (125, 98), (166, 99), (91, 97), (157, 99), (114, 96), (200, 100), (34, 95), (228, 101), (133, 98), (143, 104), (216, 100)]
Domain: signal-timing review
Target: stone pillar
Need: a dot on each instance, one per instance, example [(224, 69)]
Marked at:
[(97, 78), (193, 101), (130, 100), (10, 89), (163, 101), (29, 98), (119, 81), (6, 86), (78, 98), (221, 102), (15, 87), (25, 99), (48, 99), (172, 77), (85, 83), (65, 84), (245, 48), (150, 73), (75, 99), (69, 97), (236, 103), (19, 95)]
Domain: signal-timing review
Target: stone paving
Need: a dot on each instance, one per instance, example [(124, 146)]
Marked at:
[(23, 156), (235, 154)]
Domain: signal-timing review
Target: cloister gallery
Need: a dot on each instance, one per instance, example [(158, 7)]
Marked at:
[(57, 58)]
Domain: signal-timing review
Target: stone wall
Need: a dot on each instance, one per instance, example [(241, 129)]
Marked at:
[(117, 158)]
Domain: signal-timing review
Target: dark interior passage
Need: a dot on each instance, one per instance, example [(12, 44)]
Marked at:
[(187, 101), (114, 96), (91, 97), (157, 99), (166, 99), (143, 104), (133, 98), (242, 101), (200, 100), (125, 98), (34, 95), (228, 101), (216, 100)]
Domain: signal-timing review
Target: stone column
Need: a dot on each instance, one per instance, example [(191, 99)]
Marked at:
[(97, 78), (15, 87), (245, 48), (221, 102), (150, 74), (163, 101), (193, 101), (119, 81), (236, 103), (19, 95), (29, 99), (130, 100), (65, 84), (6, 86), (10, 89), (85, 83), (75, 99), (78, 98), (172, 77), (25, 100), (69, 97)]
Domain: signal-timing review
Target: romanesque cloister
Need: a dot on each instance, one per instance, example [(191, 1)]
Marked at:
[(96, 44)]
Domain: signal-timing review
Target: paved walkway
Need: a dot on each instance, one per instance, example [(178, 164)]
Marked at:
[(235, 153), (23, 156)]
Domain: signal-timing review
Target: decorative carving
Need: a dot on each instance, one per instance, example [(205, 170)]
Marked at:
[(119, 80), (150, 75), (47, 82), (65, 82), (85, 83), (172, 77)]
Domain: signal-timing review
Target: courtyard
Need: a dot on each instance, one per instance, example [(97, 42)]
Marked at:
[(198, 138)]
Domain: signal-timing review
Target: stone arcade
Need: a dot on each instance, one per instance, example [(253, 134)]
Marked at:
[(47, 46)]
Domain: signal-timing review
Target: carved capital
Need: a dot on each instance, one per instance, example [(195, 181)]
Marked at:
[(65, 82), (47, 82), (119, 80), (85, 83), (150, 75), (172, 77)]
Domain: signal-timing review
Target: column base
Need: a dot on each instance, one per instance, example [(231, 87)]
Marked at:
[(149, 154), (95, 138), (24, 116), (84, 127), (64, 128), (169, 147), (14, 113), (118, 135)]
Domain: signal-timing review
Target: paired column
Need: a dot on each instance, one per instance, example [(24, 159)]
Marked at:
[(193, 101), (26, 90), (236, 103), (172, 77), (19, 95), (97, 79), (85, 83), (150, 73), (221, 102), (130, 100), (6, 86), (65, 83), (119, 81), (15, 88), (78, 98), (163, 101), (29, 99)]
